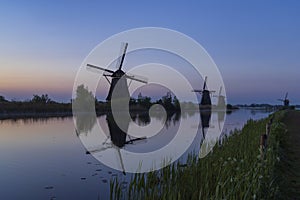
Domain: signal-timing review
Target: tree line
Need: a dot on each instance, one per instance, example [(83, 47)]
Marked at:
[(43, 103)]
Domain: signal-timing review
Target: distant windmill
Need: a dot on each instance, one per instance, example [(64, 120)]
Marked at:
[(205, 99), (120, 77), (286, 101), (221, 99)]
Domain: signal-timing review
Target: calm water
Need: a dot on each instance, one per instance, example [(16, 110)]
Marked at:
[(44, 159)]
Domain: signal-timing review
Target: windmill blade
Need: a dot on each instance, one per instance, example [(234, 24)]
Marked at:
[(97, 150), (122, 56), (121, 160), (220, 91), (200, 91), (286, 95), (138, 78), (204, 85), (135, 139), (98, 68)]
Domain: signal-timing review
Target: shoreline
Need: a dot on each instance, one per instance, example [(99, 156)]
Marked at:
[(20, 115), (27, 115), (245, 173)]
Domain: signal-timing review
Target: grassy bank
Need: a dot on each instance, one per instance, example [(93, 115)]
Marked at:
[(288, 169), (234, 170)]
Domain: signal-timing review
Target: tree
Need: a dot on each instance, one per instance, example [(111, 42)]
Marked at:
[(85, 99), (43, 99), (176, 103), (2, 99), (144, 101), (167, 101)]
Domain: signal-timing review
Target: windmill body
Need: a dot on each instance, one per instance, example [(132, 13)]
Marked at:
[(118, 77), (205, 98)]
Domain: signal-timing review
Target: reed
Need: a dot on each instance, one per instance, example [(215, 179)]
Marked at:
[(234, 170)]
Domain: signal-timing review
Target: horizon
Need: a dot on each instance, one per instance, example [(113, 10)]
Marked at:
[(153, 100), (254, 44)]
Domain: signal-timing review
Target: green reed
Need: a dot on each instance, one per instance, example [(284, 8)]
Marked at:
[(234, 170)]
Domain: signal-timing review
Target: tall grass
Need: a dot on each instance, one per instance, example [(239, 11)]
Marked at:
[(234, 170)]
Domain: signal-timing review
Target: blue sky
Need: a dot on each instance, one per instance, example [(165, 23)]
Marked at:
[(255, 44)]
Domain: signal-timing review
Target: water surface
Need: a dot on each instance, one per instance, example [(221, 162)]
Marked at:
[(44, 158)]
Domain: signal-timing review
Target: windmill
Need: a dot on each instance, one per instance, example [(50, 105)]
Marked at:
[(118, 76), (221, 99), (205, 99), (286, 101)]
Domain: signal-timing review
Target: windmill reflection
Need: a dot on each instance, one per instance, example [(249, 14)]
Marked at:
[(205, 115), (221, 118), (118, 136)]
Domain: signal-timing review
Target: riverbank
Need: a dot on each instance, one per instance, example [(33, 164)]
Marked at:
[(289, 167), (235, 170)]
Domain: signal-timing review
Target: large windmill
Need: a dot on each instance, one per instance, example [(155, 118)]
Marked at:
[(286, 101), (118, 76), (205, 99)]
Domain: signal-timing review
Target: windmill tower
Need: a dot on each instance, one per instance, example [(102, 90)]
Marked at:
[(286, 101), (118, 77), (221, 99), (205, 99)]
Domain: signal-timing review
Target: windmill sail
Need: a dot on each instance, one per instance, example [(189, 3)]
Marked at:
[(122, 56), (118, 84), (286, 101), (99, 68)]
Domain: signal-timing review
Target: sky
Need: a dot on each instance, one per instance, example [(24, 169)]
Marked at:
[(255, 44)]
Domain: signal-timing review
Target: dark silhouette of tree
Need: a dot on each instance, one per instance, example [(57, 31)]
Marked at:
[(132, 101), (176, 103), (144, 101), (167, 102), (43, 99), (2, 99), (84, 100)]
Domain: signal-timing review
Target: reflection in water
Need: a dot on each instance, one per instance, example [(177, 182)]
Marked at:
[(211, 127), (84, 122), (141, 118), (221, 118), (28, 121), (46, 152), (117, 137), (205, 143), (205, 115)]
